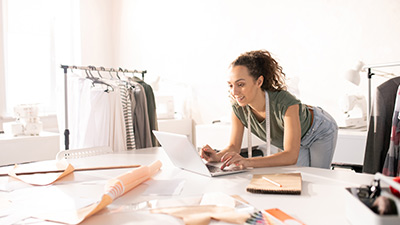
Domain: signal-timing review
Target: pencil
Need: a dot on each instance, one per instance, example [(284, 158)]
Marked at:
[(272, 182)]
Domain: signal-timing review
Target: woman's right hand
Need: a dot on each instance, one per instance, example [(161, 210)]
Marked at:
[(209, 154)]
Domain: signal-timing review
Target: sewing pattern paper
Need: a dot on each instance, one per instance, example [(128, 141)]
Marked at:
[(113, 189), (212, 206), (203, 214), (44, 178)]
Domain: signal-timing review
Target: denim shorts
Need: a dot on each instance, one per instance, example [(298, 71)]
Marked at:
[(318, 144)]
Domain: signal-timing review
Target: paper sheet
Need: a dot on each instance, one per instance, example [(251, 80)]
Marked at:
[(203, 214), (34, 199), (212, 206), (6, 210), (49, 171), (5, 204), (218, 199), (164, 187), (44, 178), (114, 188)]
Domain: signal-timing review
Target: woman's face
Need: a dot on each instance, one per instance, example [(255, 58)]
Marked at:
[(242, 86)]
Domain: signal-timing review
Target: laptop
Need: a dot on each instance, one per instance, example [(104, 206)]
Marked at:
[(184, 155)]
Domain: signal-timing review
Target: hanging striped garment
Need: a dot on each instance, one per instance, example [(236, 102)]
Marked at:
[(127, 109)]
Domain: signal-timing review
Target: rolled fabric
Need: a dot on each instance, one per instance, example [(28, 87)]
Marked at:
[(125, 182)]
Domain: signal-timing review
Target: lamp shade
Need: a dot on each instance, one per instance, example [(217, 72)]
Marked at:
[(353, 75)]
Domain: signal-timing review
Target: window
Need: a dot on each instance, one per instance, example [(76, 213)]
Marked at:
[(38, 36)]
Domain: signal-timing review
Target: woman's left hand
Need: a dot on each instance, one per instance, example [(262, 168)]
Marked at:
[(233, 158)]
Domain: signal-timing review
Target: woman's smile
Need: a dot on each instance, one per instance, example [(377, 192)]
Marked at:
[(239, 99)]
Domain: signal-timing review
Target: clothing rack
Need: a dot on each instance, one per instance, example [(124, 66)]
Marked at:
[(369, 69), (87, 68)]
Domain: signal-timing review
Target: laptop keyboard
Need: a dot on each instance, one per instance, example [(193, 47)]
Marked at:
[(214, 169)]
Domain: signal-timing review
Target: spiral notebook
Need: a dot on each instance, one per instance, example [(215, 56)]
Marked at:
[(278, 183)]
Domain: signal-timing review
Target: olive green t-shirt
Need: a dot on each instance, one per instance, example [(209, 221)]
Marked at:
[(279, 101)]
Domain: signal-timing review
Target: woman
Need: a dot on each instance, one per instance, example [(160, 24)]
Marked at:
[(305, 135)]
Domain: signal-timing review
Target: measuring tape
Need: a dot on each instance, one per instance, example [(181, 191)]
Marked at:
[(267, 129)]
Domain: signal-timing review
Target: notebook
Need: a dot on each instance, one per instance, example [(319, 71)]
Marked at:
[(278, 183), (184, 155)]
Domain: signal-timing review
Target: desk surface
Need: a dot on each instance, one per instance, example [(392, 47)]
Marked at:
[(321, 200)]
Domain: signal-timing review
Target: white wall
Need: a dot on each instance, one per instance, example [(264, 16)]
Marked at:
[(189, 44), (97, 32), (2, 79)]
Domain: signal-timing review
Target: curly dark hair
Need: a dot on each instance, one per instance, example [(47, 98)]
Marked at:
[(260, 63)]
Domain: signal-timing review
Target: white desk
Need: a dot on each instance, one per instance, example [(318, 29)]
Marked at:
[(28, 148), (321, 200)]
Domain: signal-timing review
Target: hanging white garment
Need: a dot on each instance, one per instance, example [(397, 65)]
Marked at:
[(83, 115), (78, 100), (95, 117), (99, 117)]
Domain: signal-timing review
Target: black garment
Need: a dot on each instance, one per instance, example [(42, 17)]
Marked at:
[(380, 124), (151, 109)]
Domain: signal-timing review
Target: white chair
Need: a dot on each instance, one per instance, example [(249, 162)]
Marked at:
[(82, 153)]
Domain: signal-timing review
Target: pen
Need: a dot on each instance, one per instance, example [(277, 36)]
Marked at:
[(273, 182)]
